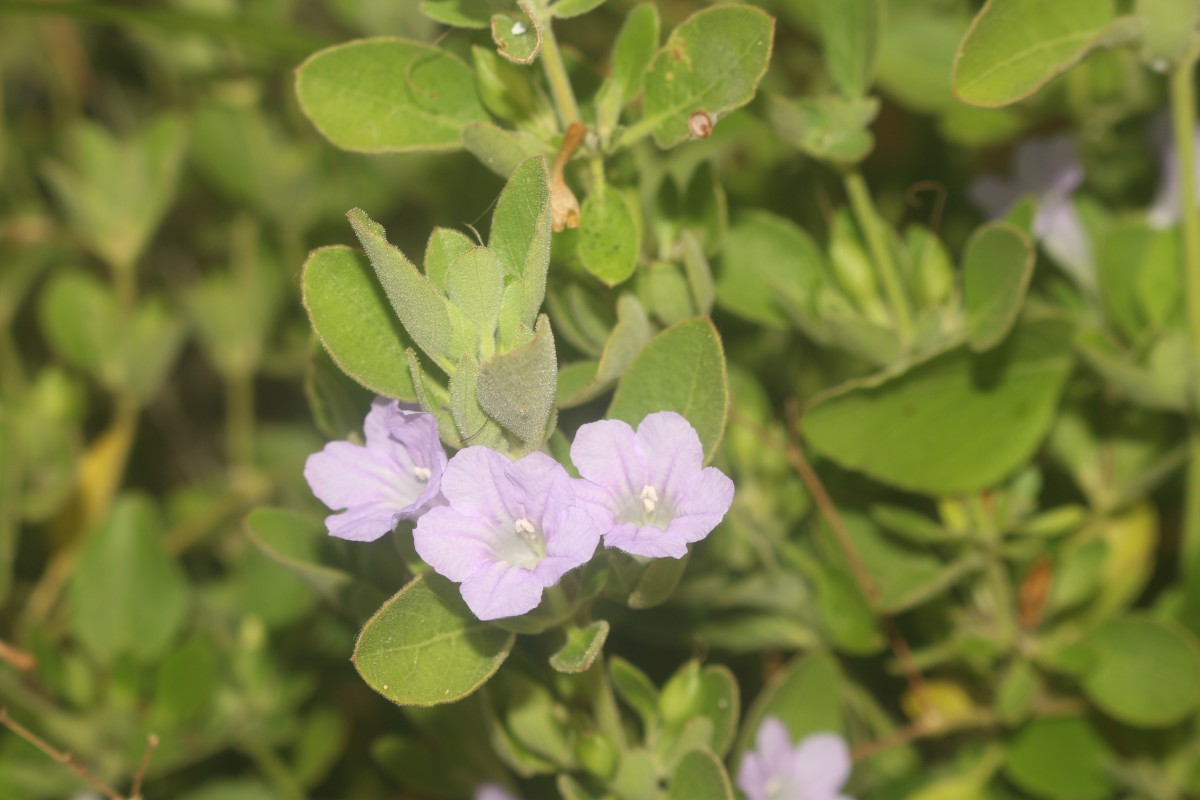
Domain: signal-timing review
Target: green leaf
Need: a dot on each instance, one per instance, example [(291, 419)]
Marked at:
[(657, 582), (475, 283), (833, 129), (804, 695), (957, 422), (299, 543), (851, 31), (681, 370), (517, 388), (80, 318), (186, 681), (1016, 691), (565, 9), (465, 13), (766, 256), (520, 235), (700, 775), (500, 150), (116, 191), (997, 266), (233, 314), (628, 338), (634, 48), (1144, 671), (414, 299), (424, 647), (388, 95), (350, 314), (609, 235), (1167, 28), (1014, 47), (517, 35), (581, 648), (154, 338), (444, 246), (710, 65), (637, 690), (127, 594), (1060, 759)]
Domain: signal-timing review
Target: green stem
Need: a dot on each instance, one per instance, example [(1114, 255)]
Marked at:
[(881, 251), (273, 768), (12, 370), (1183, 113), (239, 419), (556, 73)]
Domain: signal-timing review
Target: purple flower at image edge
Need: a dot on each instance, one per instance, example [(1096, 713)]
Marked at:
[(395, 476), (510, 530), (816, 768), (492, 791), (650, 488)]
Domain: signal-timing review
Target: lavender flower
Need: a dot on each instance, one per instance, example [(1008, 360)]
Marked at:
[(511, 529), (814, 769), (396, 476), (1049, 170), (650, 490), (491, 791)]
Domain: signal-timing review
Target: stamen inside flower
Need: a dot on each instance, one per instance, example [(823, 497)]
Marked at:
[(649, 499), (423, 474), (526, 549)]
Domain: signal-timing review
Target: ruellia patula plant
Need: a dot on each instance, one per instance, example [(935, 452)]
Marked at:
[(600, 400)]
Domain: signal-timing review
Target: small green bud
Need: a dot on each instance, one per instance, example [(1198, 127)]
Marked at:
[(597, 754), (680, 698)]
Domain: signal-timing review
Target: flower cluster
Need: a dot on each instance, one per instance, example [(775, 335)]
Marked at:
[(816, 768), (506, 530)]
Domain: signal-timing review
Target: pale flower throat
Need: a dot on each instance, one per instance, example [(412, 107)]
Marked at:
[(526, 549)]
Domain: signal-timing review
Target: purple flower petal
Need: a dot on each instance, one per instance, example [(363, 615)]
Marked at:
[(650, 492), (542, 483), (456, 545), (491, 791), (511, 529), (606, 454), (671, 450), (821, 765), (816, 769), (346, 474), (363, 523), (475, 482), (571, 540), (375, 426), (646, 541), (502, 590)]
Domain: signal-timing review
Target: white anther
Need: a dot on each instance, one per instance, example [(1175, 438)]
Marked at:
[(422, 474), (525, 528), (518, 28), (649, 499)]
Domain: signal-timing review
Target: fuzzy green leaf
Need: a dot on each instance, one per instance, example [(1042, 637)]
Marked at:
[(710, 65), (609, 236), (520, 235), (350, 314), (517, 388), (851, 31), (388, 95), (424, 647)]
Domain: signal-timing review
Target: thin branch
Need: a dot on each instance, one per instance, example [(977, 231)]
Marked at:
[(867, 584), (19, 659), (135, 793), (66, 759)]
